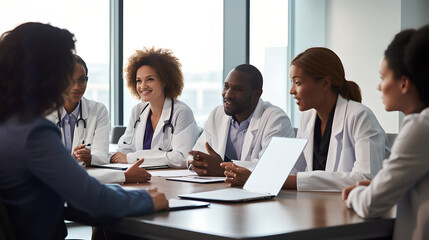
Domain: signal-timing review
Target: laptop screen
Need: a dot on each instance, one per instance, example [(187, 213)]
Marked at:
[(275, 165)]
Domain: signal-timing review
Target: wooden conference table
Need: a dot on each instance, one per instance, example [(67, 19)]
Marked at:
[(291, 215)]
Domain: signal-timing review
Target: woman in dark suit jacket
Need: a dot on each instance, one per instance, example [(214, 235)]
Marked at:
[(39, 175)]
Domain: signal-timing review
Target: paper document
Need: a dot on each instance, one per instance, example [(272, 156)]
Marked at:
[(198, 179), (125, 166), (172, 173)]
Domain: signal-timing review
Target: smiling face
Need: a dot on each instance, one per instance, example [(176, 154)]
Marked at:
[(149, 85), (307, 92), (390, 88), (78, 88), (238, 94)]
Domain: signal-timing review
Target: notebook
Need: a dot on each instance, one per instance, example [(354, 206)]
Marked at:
[(180, 204), (267, 178), (125, 166)]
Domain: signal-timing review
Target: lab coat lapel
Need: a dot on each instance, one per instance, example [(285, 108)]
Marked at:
[(165, 115), (85, 110), (79, 131), (224, 131), (141, 128), (251, 130), (308, 133), (336, 135), (57, 119)]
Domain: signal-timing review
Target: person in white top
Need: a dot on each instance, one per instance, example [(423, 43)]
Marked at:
[(346, 142), (161, 129), (85, 126), (241, 129), (404, 178), (84, 123)]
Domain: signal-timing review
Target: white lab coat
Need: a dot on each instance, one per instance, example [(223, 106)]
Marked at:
[(357, 147), (404, 180), (184, 136), (96, 133), (267, 121)]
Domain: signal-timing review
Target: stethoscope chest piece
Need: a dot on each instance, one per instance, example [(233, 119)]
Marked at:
[(167, 130)]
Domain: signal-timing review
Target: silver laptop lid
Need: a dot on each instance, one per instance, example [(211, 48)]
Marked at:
[(275, 165)]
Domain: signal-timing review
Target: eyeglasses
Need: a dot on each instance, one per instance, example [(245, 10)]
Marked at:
[(82, 81)]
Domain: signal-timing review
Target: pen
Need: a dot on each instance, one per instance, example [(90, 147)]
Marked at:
[(190, 168)]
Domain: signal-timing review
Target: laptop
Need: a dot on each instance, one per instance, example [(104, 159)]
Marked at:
[(267, 178)]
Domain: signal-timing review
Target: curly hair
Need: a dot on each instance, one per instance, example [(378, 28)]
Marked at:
[(165, 64), (36, 65)]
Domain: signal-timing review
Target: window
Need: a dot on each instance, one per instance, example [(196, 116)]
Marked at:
[(87, 20), (268, 47), (193, 30)]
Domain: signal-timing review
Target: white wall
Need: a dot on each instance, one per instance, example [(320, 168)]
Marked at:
[(359, 32), (307, 28)]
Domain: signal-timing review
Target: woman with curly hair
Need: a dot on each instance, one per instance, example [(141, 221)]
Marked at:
[(162, 129)]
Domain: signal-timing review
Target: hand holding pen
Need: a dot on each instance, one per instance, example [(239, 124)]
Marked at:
[(83, 153)]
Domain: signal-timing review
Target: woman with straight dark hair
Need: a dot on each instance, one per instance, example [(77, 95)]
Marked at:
[(346, 142), (84, 126), (404, 179), (40, 174)]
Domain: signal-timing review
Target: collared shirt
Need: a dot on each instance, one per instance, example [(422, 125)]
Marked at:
[(234, 144), (69, 123), (321, 143)]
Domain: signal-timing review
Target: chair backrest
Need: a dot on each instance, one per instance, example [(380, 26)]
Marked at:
[(201, 130), (391, 137), (117, 132), (6, 230)]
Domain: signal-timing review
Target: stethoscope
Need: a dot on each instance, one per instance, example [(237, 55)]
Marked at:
[(166, 137), (79, 114)]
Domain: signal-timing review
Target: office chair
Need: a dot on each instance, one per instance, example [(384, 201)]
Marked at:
[(117, 132), (391, 137)]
